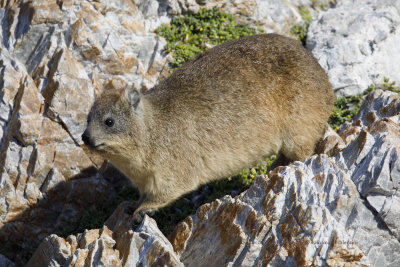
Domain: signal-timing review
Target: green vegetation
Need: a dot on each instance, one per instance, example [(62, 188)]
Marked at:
[(191, 34), (387, 85), (317, 5), (347, 107), (300, 30)]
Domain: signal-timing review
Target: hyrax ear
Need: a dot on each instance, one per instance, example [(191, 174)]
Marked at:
[(133, 97)]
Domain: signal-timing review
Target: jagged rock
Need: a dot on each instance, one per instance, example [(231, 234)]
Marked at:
[(372, 157), (357, 42), (294, 217), (6, 262), (116, 244), (330, 144), (55, 56)]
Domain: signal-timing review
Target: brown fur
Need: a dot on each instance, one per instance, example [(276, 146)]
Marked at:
[(223, 111)]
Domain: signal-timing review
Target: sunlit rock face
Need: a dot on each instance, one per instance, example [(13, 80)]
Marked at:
[(357, 43)]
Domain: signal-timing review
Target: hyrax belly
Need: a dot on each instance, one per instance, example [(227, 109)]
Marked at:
[(221, 112)]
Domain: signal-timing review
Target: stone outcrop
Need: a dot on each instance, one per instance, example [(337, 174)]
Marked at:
[(116, 244), (55, 56), (357, 43), (325, 211)]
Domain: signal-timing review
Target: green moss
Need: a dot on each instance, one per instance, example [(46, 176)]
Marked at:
[(323, 6), (194, 33)]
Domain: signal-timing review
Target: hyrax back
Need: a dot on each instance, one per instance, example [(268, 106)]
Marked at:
[(223, 111)]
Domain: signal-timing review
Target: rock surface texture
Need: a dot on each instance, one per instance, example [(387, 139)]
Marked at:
[(56, 56), (116, 244), (357, 43), (325, 211)]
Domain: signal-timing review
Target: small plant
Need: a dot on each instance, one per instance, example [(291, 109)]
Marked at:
[(346, 108), (390, 86), (247, 175), (323, 6), (191, 34), (300, 30)]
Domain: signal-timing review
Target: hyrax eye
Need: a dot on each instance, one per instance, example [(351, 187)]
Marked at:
[(109, 122)]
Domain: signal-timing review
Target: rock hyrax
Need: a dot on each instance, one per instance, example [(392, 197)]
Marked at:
[(223, 111)]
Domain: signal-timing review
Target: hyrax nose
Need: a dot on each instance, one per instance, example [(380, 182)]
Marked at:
[(86, 138)]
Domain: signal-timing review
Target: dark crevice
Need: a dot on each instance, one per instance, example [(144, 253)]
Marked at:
[(24, 19)]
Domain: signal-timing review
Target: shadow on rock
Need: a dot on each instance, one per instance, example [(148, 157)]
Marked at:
[(83, 202)]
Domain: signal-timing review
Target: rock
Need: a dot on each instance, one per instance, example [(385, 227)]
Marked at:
[(55, 56), (6, 262), (330, 144), (116, 244), (362, 48), (372, 158), (296, 216)]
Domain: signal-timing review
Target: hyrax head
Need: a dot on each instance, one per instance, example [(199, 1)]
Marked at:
[(113, 122)]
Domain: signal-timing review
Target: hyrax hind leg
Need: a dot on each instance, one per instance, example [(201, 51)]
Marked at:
[(296, 147)]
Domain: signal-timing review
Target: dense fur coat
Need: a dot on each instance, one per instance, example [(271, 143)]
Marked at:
[(223, 111)]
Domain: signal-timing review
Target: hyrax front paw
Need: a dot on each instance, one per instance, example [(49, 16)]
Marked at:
[(138, 215)]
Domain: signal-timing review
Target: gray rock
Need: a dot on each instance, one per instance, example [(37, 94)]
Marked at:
[(116, 244), (357, 43), (372, 157), (4, 262), (54, 58)]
